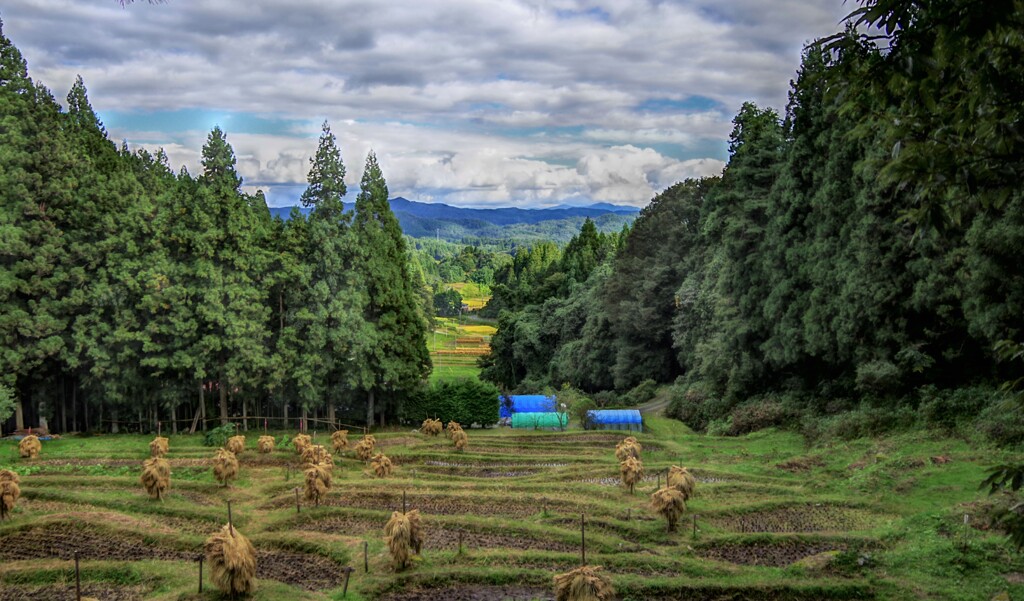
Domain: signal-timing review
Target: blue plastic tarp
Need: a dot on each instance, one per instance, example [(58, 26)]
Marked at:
[(526, 403), (614, 416)]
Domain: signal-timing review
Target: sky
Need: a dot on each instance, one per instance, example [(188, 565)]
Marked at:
[(480, 103)]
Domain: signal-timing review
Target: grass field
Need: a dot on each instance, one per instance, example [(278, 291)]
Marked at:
[(869, 519)]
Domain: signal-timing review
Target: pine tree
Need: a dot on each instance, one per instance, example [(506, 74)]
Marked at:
[(398, 359)]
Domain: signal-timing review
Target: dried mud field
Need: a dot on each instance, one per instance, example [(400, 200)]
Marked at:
[(772, 518)]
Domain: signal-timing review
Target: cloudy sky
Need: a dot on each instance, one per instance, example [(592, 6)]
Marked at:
[(470, 102)]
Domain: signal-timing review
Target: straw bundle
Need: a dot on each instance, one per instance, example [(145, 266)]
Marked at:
[(431, 427), (225, 466), (232, 560), (629, 447), (301, 441), (159, 446), (236, 444), (339, 440), (404, 535), (9, 492), (156, 477), (586, 583), (682, 480), (318, 481), (317, 453), (670, 503), (29, 447), (381, 465), (460, 440), (265, 444), (364, 448), (632, 470), (452, 427)]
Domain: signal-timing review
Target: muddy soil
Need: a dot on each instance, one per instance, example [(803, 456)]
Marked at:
[(763, 554), (439, 537), (488, 472), (50, 593), (303, 570), (798, 518), (62, 543), (474, 593), (433, 504)]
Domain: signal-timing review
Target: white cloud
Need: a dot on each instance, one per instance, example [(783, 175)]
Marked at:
[(519, 100)]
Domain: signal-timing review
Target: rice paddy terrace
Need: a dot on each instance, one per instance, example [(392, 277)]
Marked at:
[(771, 519)]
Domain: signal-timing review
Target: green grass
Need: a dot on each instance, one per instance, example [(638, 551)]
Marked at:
[(892, 517)]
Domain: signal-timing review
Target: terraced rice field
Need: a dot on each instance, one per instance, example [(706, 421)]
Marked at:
[(456, 345), (772, 519)]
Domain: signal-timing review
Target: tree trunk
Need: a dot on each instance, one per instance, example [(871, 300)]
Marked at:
[(19, 415), (245, 416), (305, 416), (330, 415), (223, 398), (369, 409), (174, 419), (63, 406), (74, 405), (202, 404), (114, 426), (286, 415)]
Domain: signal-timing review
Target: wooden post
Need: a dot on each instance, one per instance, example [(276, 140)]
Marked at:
[(78, 580), (348, 570), (659, 480), (695, 525), (460, 542), (583, 539), (403, 501), (297, 506), (200, 573), (366, 556), (231, 526)]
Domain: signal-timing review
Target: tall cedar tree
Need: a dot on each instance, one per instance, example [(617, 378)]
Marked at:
[(398, 358)]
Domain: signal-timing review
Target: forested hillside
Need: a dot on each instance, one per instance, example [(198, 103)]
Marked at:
[(859, 256), (130, 292)]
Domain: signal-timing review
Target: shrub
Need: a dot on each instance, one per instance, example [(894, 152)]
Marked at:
[(643, 392), (878, 377), (218, 437), (695, 406), (465, 401), (1003, 422), (948, 409), (756, 415)]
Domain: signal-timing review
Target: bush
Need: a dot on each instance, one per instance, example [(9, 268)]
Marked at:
[(695, 407), (756, 415), (219, 436), (463, 401), (1003, 422), (949, 409), (865, 421), (643, 392), (606, 398), (878, 377)]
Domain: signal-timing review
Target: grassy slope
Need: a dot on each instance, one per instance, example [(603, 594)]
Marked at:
[(883, 501)]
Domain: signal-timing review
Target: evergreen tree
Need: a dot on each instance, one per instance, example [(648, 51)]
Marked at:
[(398, 358)]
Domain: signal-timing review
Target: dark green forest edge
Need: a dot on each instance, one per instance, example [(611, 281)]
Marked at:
[(855, 270)]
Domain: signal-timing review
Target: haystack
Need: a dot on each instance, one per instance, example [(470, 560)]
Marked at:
[(629, 447), (682, 480), (265, 444), (404, 536), (632, 470), (586, 583), (451, 428), (315, 454), (381, 465), (159, 446), (301, 441), (232, 560), (29, 447), (9, 492), (460, 440), (339, 440), (225, 466), (431, 427), (156, 477), (670, 503), (364, 448), (318, 481), (236, 444)]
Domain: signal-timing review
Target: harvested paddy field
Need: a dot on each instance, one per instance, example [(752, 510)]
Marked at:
[(770, 519)]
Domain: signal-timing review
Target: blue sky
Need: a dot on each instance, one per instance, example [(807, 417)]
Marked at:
[(470, 102)]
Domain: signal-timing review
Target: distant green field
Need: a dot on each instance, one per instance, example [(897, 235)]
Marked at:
[(455, 346)]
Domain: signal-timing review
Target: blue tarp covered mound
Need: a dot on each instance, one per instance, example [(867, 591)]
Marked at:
[(526, 403), (615, 419)]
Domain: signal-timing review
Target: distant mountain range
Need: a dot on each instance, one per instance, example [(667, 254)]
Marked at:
[(456, 224)]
